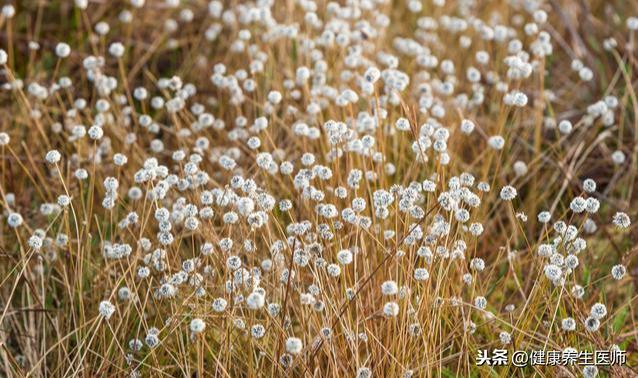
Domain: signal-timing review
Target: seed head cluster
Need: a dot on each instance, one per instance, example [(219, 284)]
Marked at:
[(362, 188)]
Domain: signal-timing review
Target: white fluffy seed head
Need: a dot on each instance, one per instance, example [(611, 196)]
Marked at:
[(255, 300), (598, 311), (294, 345), (391, 309), (520, 168), (389, 288), (53, 156), (106, 309), (219, 304), (344, 257), (467, 126), (505, 338), (508, 193), (621, 220), (35, 242), (618, 157), (592, 324), (589, 185), (62, 50), (553, 272), (618, 272), (568, 324), (421, 274), (116, 49), (197, 325), (14, 220)]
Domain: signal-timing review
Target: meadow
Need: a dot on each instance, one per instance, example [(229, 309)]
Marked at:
[(313, 188)]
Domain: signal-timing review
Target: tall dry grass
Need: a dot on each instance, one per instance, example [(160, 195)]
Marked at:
[(71, 258)]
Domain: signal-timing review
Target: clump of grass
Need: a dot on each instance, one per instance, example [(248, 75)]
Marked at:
[(315, 188)]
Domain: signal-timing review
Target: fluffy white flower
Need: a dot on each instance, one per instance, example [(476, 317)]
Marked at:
[(294, 345), (197, 325), (107, 309)]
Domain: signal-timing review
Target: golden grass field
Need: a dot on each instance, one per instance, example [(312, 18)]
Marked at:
[(309, 188)]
